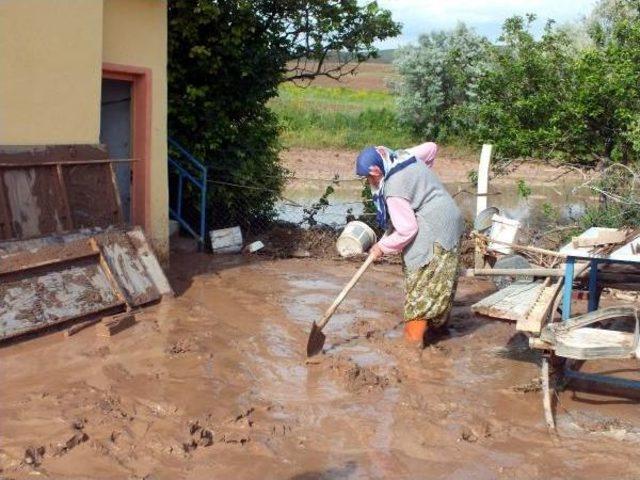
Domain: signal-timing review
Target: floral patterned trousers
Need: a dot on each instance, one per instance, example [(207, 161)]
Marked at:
[(431, 288)]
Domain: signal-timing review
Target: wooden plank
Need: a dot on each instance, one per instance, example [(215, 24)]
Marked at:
[(118, 203), (35, 155), (32, 302), (150, 261), (534, 319), (92, 198), (127, 267), (6, 229), (511, 303), (64, 198), (483, 177), (594, 343), (33, 201), (46, 256), (514, 272), (602, 237), (107, 271), (112, 325)]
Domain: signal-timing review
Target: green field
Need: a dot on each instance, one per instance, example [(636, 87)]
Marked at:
[(338, 117)]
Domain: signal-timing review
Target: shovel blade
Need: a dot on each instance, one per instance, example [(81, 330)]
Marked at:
[(316, 341)]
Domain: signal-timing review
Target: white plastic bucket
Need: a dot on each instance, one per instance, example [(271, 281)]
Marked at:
[(503, 229), (226, 240), (357, 237)]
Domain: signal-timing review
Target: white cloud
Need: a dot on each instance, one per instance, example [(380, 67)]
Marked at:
[(486, 16)]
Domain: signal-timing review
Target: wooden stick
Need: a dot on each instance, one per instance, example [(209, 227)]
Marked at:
[(524, 248), (107, 271), (534, 272), (344, 292), (53, 163)]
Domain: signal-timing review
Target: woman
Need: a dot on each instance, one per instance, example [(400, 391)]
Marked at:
[(424, 223)]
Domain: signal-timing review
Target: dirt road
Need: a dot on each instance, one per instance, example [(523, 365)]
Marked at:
[(213, 384)]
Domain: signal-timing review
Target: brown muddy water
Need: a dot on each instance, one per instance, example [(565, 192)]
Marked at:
[(558, 203), (214, 385)]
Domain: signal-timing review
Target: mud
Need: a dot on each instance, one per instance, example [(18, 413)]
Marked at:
[(215, 384)]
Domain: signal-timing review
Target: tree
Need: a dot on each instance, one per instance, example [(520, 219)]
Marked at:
[(439, 77), (524, 91), (226, 60), (603, 113)]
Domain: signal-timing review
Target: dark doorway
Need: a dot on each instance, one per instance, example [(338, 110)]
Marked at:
[(115, 133)]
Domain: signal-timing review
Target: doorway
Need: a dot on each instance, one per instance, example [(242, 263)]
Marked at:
[(115, 133)]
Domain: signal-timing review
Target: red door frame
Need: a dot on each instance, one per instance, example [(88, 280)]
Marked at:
[(140, 79)]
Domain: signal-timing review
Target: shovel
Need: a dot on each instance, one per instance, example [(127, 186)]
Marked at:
[(316, 337)]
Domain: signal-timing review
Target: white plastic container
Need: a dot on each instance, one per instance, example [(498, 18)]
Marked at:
[(255, 246), (503, 229), (357, 237), (226, 240)]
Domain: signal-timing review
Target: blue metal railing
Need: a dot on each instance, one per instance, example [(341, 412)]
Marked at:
[(190, 171)]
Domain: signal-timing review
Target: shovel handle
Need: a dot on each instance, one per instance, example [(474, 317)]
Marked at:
[(336, 303)]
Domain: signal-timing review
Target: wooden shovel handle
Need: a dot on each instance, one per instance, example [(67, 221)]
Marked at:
[(336, 303)]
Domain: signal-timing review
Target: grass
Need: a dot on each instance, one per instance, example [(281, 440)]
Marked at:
[(338, 117)]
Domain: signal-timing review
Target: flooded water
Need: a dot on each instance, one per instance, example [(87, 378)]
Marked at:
[(547, 203)]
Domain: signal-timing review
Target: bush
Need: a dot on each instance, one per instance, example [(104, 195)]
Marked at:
[(439, 81)]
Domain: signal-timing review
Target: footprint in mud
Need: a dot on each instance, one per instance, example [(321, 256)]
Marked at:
[(34, 456), (180, 347), (254, 424), (358, 378), (234, 431)]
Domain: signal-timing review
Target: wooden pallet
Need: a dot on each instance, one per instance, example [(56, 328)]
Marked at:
[(511, 303)]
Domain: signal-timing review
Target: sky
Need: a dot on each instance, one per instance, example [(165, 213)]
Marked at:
[(485, 16)]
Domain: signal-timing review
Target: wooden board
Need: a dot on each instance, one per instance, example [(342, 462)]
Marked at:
[(128, 269), (534, 320), (510, 303), (53, 189), (50, 280), (150, 261), (43, 155), (593, 343), (113, 325), (92, 196), (31, 302), (34, 201), (45, 256)]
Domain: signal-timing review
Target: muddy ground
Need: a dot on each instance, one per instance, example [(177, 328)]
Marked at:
[(214, 384), (452, 165)]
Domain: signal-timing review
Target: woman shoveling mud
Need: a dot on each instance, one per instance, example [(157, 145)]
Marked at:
[(423, 222)]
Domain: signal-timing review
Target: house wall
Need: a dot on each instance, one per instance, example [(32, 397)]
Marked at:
[(135, 34), (52, 54), (50, 71)]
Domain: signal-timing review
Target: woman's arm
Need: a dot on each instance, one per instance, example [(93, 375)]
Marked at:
[(425, 152), (405, 225)]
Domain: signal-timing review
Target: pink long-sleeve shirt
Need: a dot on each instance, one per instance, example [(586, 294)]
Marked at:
[(403, 218), (405, 225)]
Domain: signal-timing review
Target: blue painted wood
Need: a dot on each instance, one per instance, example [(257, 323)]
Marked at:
[(568, 288)]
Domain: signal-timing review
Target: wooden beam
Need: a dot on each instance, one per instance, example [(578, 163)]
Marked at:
[(115, 324), (33, 155), (46, 256), (68, 219)]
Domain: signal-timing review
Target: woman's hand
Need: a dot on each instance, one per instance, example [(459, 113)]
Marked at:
[(376, 252)]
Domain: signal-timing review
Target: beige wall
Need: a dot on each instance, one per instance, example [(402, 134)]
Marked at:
[(135, 33), (50, 71)]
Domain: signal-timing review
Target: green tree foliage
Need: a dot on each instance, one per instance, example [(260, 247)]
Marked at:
[(524, 92), (602, 115), (572, 94), (439, 80), (226, 60)]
